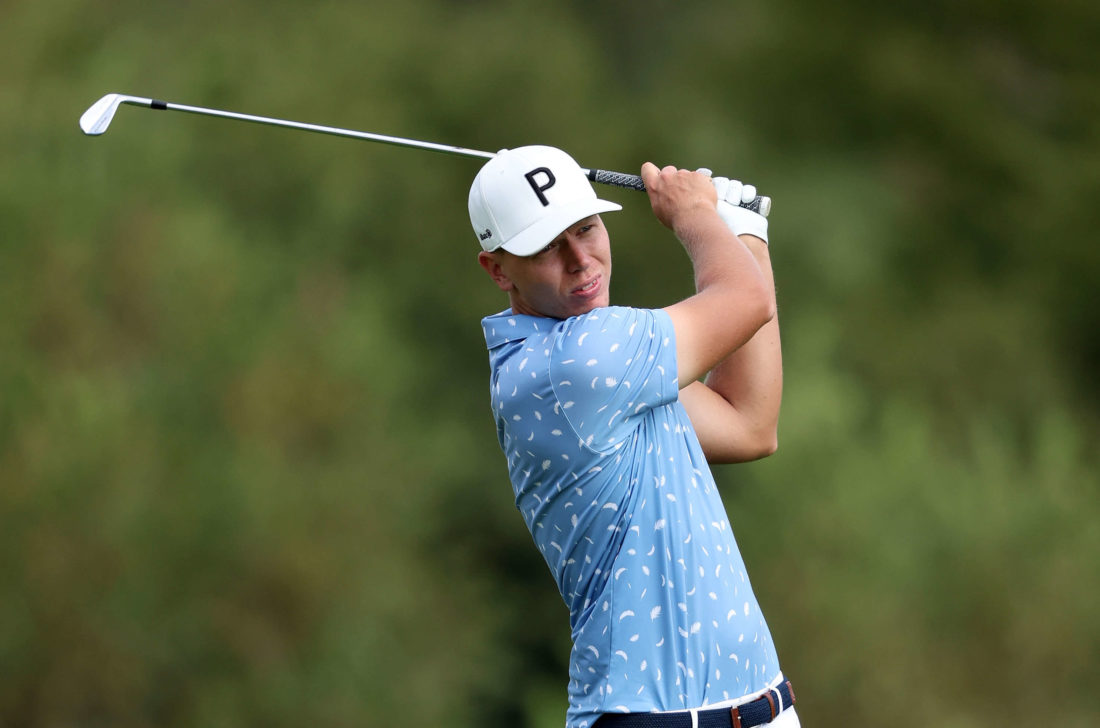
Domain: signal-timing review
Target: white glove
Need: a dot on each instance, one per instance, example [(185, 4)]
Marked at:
[(741, 220), (730, 195)]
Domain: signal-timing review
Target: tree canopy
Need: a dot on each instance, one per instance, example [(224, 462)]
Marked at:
[(248, 473)]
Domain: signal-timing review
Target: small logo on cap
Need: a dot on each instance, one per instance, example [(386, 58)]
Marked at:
[(485, 235)]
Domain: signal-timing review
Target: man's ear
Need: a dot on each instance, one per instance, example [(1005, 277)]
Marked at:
[(491, 263)]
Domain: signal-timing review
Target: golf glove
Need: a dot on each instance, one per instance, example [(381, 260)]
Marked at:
[(742, 221), (731, 194)]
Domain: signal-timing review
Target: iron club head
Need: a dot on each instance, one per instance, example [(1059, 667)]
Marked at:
[(98, 117)]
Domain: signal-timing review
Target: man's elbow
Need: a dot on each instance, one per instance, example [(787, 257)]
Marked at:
[(745, 450), (770, 306), (764, 307), (764, 444), (770, 310), (770, 446)]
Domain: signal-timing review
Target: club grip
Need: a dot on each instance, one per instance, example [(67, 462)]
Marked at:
[(761, 204), (618, 179)]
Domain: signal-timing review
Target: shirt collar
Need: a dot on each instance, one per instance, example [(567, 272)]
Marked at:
[(506, 326)]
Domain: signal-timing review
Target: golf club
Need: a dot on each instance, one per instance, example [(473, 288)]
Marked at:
[(98, 117)]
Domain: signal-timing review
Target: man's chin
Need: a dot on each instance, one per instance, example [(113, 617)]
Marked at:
[(563, 309), (589, 306)]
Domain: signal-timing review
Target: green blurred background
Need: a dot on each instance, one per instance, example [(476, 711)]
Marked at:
[(249, 473)]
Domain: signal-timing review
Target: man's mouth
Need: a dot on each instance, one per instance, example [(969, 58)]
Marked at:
[(588, 288)]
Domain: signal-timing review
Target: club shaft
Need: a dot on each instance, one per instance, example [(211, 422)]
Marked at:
[(331, 130), (761, 205)]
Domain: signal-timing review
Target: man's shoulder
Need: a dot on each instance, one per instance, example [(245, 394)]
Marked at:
[(616, 322), (505, 327), (609, 329)]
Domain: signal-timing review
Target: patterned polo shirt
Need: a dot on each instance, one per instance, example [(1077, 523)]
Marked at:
[(611, 480)]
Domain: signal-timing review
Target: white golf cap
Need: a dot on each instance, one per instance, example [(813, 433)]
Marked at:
[(523, 198)]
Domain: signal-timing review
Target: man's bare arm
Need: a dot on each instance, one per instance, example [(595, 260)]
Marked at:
[(736, 413), (733, 297)]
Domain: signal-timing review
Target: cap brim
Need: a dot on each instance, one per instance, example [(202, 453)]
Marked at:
[(542, 233)]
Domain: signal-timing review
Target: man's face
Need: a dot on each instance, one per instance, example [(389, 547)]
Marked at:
[(570, 276)]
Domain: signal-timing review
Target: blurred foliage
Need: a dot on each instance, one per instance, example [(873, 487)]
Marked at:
[(248, 474)]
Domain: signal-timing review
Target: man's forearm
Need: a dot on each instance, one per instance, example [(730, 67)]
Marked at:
[(751, 378), (733, 297)]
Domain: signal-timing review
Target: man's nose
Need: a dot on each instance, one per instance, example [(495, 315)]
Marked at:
[(577, 258)]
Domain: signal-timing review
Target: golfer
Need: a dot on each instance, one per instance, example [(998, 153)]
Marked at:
[(608, 426)]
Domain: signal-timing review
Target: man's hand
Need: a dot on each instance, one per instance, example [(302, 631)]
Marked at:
[(677, 194)]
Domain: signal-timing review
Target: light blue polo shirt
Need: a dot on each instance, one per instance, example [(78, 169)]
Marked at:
[(612, 482)]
